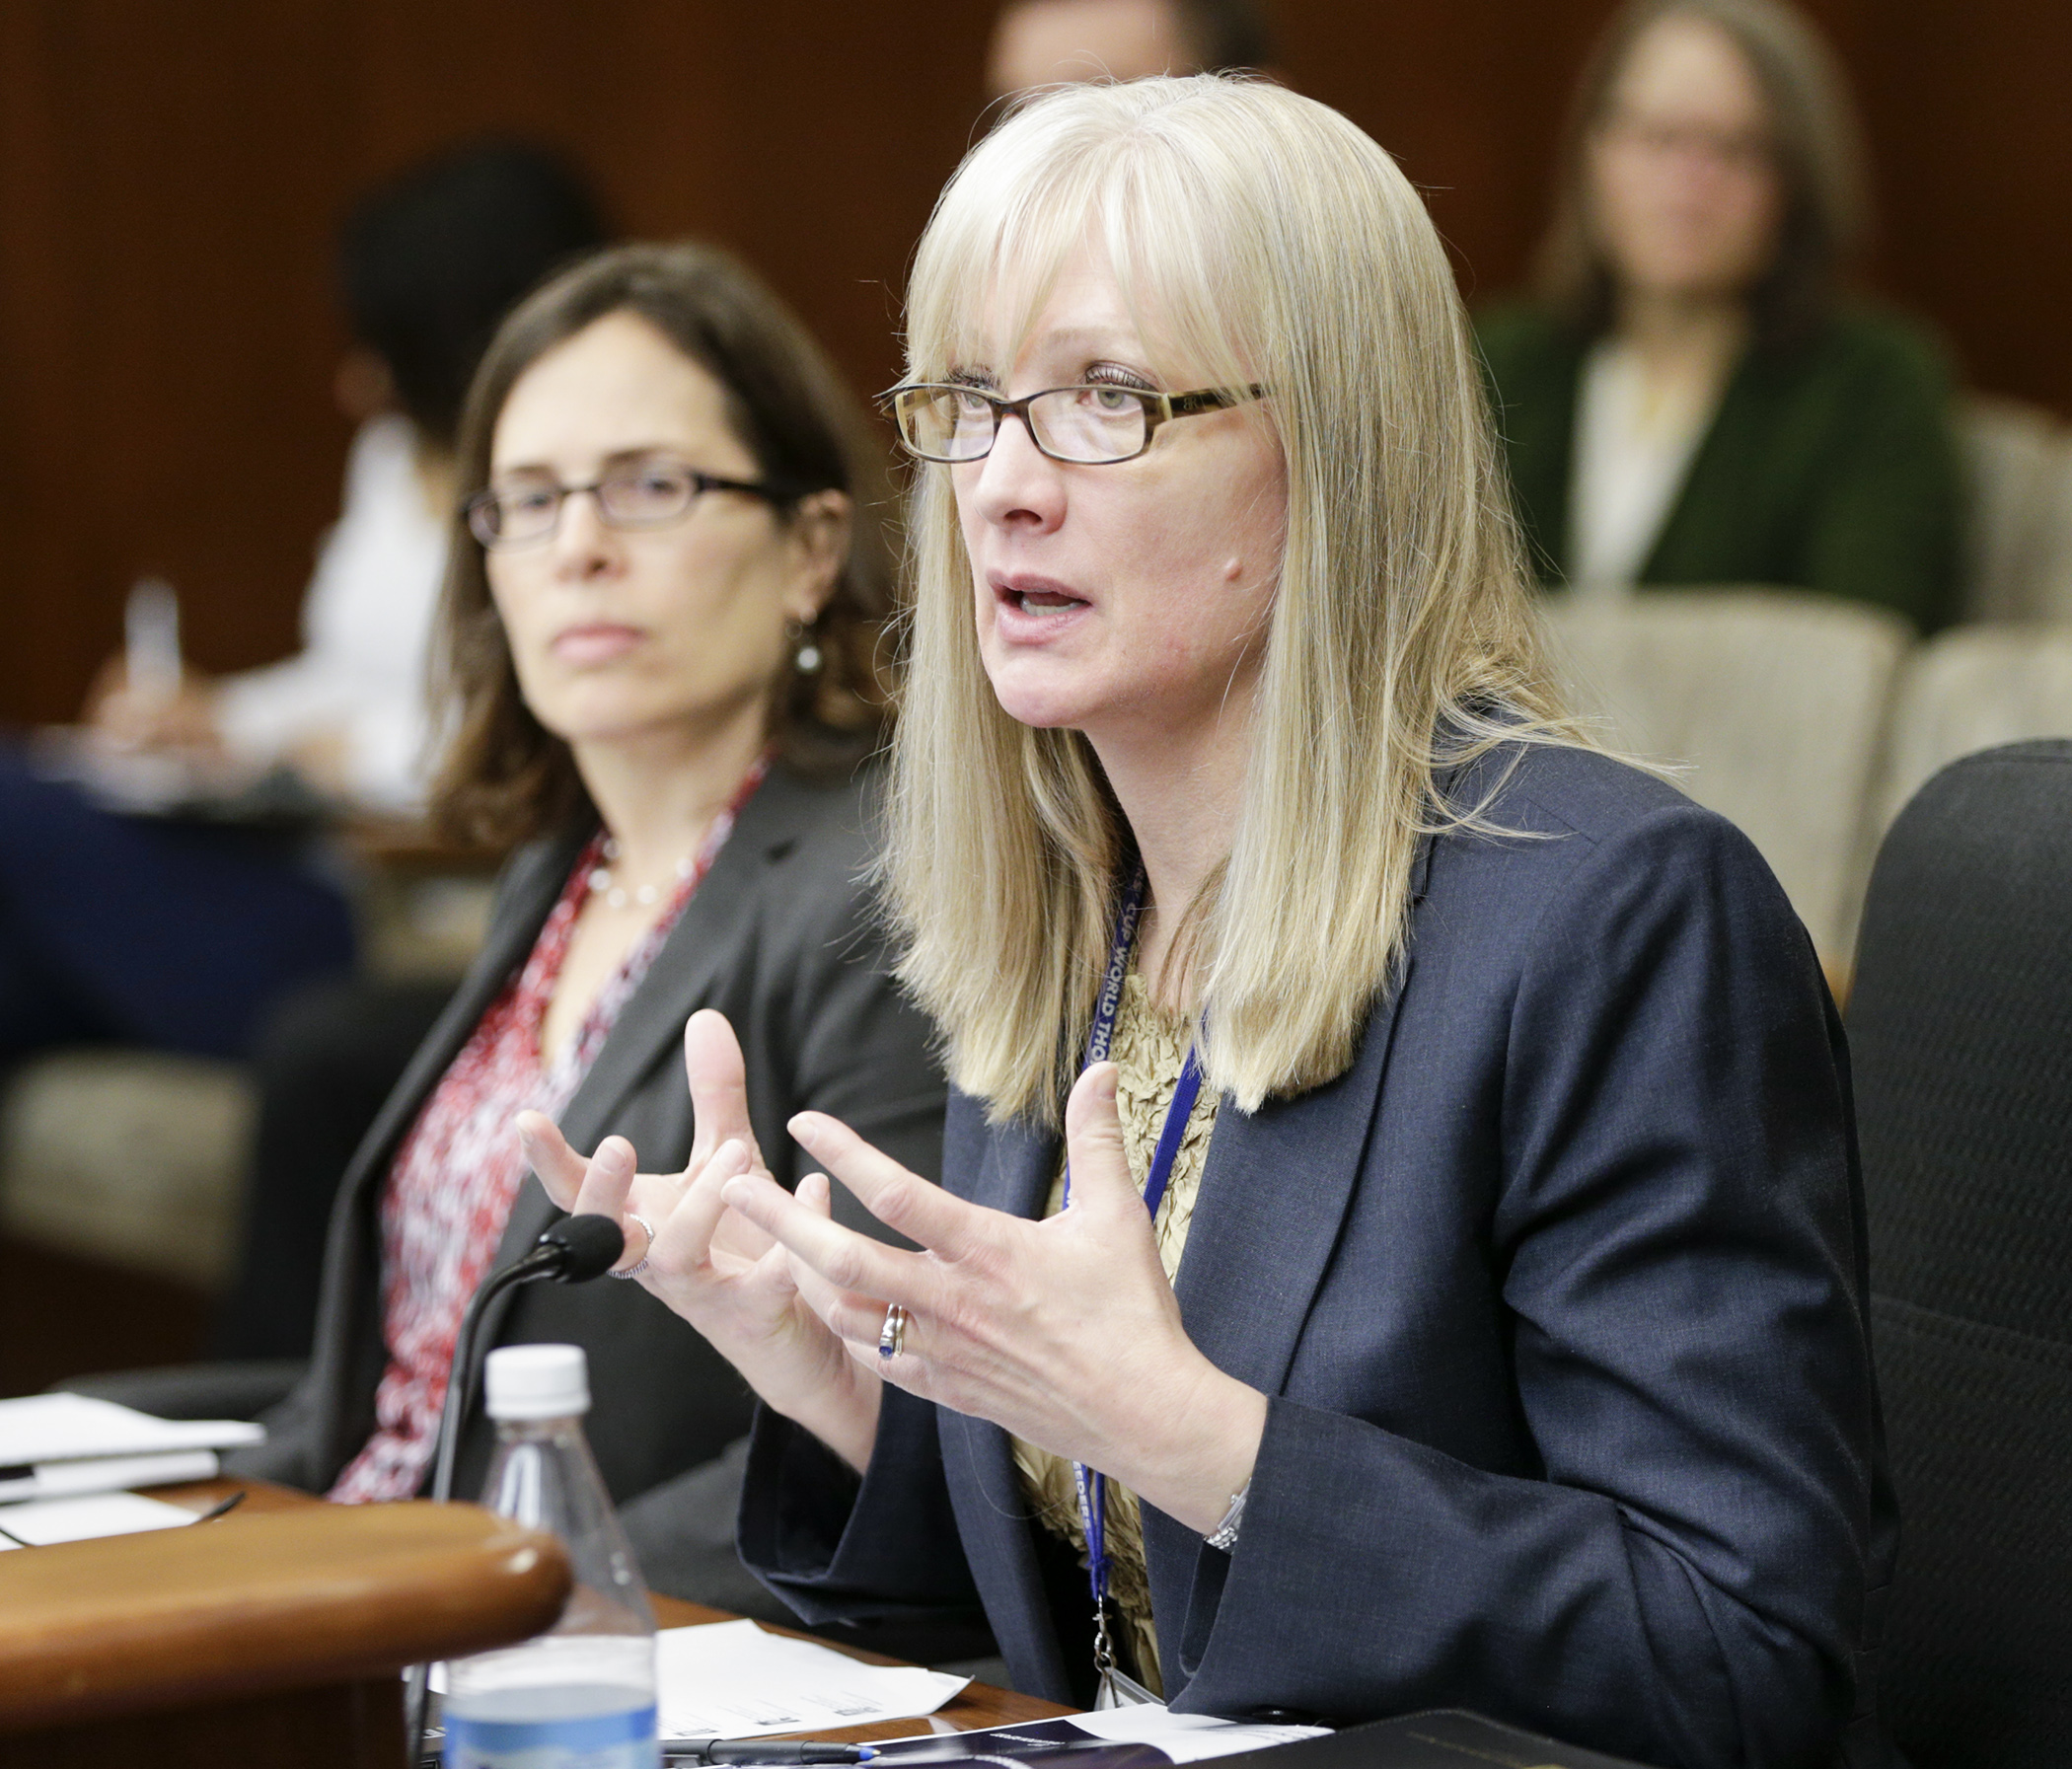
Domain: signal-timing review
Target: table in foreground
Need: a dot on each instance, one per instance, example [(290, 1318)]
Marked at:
[(976, 1706), (269, 1638)]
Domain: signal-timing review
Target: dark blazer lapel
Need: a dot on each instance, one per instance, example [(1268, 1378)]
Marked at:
[(1013, 1173), (525, 896), (526, 899), (1004, 1167), (1275, 1189), (701, 947)]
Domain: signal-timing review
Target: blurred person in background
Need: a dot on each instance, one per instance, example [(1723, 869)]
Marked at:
[(659, 649), (1045, 42), (1688, 398), (180, 935), (428, 265)]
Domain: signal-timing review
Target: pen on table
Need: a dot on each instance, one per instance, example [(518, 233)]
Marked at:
[(216, 1510), (760, 1751)]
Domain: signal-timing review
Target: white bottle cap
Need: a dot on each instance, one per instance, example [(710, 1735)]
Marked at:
[(537, 1382)]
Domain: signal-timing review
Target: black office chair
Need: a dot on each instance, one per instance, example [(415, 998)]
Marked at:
[(1961, 1027)]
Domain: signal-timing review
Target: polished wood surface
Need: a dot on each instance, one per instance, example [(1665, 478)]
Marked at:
[(976, 1705), (270, 1598)]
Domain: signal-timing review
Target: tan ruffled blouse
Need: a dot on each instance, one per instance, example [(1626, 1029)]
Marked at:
[(1148, 1050)]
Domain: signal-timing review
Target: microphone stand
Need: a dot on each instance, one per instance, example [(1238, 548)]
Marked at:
[(553, 1256)]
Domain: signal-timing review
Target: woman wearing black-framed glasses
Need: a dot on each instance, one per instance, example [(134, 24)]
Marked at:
[(658, 641)]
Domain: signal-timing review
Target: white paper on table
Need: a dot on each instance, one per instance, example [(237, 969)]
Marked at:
[(59, 1427), (732, 1680), (106, 1474), (1187, 1737), (44, 1522)]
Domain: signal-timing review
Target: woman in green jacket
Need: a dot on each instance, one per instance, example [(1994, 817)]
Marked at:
[(1689, 402)]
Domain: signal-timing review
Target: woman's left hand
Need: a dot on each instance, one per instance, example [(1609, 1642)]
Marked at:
[(1064, 1332)]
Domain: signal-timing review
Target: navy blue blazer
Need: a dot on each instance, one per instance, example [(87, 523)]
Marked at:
[(1559, 1296)]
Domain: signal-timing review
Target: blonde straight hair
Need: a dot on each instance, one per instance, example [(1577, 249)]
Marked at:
[(1256, 237)]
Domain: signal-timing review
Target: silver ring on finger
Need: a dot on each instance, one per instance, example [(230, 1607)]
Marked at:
[(892, 1340), (640, 1264)]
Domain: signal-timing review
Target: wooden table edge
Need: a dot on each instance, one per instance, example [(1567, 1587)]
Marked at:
[(975, 1708)]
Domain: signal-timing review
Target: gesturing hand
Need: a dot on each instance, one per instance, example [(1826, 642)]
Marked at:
[(711, 1264), (1064, 1332)]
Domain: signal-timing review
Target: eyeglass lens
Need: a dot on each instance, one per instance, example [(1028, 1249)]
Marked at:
[(642, 496), (1070, 423)]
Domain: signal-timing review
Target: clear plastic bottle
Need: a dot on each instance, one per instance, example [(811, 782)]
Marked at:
[(581, 1695)]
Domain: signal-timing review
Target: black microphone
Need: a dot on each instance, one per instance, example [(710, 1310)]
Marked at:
[(571, 1251), (587, 1247), (574, 1250)]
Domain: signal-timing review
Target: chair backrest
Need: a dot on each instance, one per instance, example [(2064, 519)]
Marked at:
[(2050, 589), (1971, 689), (1960, 1028), (2015, 456), (1774, 701)]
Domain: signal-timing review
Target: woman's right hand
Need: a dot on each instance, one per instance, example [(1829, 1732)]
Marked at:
[(184, 719), (706, 1261)]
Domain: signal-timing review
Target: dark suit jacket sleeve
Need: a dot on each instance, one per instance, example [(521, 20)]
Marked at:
[(1675, 1233), (837, 1549)]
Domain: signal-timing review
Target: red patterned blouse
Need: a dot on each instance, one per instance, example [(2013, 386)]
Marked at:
[(456, 1173)]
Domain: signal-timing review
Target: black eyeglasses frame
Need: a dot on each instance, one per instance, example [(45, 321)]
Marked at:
[(1158, 409), (774, 492)]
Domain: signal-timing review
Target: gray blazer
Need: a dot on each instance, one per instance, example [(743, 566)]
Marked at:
[(779, 939)]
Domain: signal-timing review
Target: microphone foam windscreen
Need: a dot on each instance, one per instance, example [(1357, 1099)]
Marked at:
[(589, 1245)]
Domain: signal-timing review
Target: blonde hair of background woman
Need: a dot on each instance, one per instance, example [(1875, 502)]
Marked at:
[(1256, 236)]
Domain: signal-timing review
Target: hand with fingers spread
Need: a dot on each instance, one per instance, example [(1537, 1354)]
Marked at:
[(1064, 1332), (713, 1266)]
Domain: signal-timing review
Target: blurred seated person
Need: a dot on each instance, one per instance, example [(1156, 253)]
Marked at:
[(1690, 400), (180, 935), (427, 267), (1048, 42), (657, 644)]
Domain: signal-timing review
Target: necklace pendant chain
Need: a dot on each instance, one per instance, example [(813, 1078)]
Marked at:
[(604, 884)]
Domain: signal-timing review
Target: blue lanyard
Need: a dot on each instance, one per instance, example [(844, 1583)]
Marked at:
[(1092, 1486)]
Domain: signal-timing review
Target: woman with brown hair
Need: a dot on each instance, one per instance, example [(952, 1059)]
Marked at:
[(659, 646), (1688, 399)]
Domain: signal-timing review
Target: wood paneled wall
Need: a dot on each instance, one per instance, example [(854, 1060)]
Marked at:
[(172, 171)]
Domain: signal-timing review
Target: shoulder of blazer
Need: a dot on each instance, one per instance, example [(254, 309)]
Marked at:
[(1542, 789), (792, 810), (820, 836)]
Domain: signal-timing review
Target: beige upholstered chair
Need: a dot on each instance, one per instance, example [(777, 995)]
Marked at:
[(136, 1159), (1771, 704), (1975, 688), (131, 1158), (2018, 470), (2050, 594)]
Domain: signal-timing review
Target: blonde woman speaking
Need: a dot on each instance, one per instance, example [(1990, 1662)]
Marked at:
[(1400, 1243)]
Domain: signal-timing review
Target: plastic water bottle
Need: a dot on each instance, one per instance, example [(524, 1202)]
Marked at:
[(581, 1695)]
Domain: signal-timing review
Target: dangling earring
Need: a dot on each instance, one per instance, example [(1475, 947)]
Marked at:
[(805, 657)]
